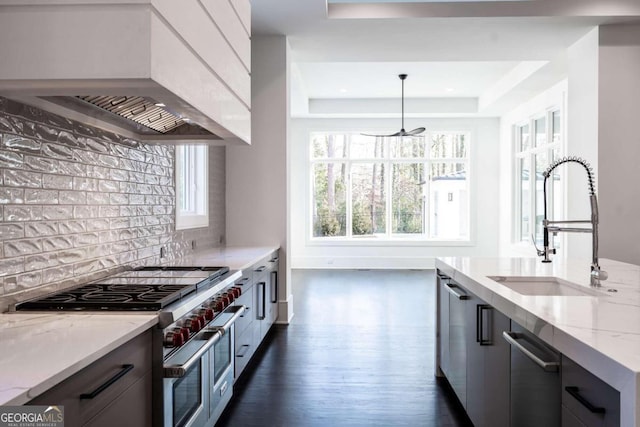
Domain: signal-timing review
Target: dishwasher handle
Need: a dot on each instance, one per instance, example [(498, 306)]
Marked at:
[(449, 287), (513, 337)]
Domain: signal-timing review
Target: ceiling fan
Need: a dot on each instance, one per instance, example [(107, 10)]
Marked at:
[(402, 132)]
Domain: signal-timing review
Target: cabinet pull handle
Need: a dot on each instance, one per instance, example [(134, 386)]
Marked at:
[(260, 269), (263, 315), (512, 338), (245, 347), (275, 259), (125, 369), (480, 324), (449, 287), (242, 281), (574, 391), (274, 281)]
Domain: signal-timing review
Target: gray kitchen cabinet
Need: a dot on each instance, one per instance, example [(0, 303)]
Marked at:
[(487, 364), (472, 354), (260, 296), (587, 400), (114, 390)]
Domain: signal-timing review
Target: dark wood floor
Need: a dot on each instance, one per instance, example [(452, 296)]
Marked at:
[(359, 352)]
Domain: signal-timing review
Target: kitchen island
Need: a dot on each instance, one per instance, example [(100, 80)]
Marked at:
[(42, 349), (598, 328)]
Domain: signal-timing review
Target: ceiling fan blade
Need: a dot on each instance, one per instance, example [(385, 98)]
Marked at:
[(383, 136), (416, 131)]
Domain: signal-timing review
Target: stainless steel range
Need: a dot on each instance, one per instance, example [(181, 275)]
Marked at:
[(196, 314)]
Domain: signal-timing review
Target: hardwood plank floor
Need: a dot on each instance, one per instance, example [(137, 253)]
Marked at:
[(358, 352)]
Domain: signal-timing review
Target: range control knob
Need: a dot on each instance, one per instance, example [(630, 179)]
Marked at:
[(231, 296), (173, 338), (194, 324), (185, 333), (207, 313), (218, 305), (237, 291)]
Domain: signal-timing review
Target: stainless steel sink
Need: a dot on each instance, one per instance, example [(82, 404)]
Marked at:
[(543, 286)]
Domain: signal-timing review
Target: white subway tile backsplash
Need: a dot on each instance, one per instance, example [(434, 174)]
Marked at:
[(85, 184), (11, 159), (56, 243), (86, 239), (40, 229), (10, 195), (20, 178), (118, 199), (14, 248), (40, 261), (57, 212), (76, 201), (73, 197), (22, 213), (97, 224), (60, 182), (72, 168), (80, 212), (57, 151), (24, 145), (11, 231), (40, 197), (9, 266), (72, 227), (107, 186), (40, 164)]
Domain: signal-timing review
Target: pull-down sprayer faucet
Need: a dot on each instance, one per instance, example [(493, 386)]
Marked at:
[(552, 226)]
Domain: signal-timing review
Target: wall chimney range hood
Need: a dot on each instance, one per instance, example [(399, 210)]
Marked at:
[(134, 67)]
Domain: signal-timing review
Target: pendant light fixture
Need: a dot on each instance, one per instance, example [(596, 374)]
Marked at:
[(402, 132)]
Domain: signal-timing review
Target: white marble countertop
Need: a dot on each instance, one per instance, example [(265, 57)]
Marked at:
[(600, 331), (39, 350)]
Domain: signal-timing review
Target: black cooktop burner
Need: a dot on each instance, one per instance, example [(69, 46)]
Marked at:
[(127, 293)]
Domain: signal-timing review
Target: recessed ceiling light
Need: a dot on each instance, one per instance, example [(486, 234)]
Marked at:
[(343, 90), (160, 104), (449, 89)]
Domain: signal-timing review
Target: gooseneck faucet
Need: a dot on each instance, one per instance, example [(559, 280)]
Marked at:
[(553, 226)]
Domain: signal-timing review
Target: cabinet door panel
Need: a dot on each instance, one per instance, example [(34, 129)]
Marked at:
[(458, 346), (443, 327), (131, 408), (587, 397)]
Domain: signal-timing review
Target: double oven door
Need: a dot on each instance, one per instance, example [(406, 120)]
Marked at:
[(198, 378)]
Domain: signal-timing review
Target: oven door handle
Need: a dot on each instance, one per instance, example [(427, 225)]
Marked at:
[(179, 371), (237, 311)]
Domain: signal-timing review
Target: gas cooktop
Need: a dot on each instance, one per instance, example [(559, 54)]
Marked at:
[(145, 288)]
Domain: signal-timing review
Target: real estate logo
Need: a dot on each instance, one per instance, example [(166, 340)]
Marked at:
[(31, 416)]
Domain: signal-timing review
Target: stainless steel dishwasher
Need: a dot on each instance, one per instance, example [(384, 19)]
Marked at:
[(535, 380)]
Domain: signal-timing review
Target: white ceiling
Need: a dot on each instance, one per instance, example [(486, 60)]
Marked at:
[(462, 56)]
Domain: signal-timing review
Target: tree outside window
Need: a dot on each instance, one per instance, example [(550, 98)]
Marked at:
[(390, 188)]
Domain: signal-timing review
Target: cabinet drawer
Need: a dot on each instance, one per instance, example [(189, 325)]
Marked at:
[(246, 281), (588, 398), (246, 299), (245, 346), (100, 384)]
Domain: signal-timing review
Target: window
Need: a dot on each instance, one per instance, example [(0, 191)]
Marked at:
[(390, 188), (537, 144), (191, 187)]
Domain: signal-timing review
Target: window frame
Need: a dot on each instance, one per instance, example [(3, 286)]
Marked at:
[(548, 147), (197, 176), (389, 237)]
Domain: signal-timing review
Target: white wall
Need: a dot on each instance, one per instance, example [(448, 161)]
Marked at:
[(619, 142), (257, 175), (582, 135), (552, 98), (484, 202)]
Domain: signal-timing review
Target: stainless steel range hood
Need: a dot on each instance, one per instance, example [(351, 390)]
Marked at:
[(153, 70)]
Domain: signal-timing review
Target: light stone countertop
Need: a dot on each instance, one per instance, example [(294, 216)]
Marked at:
[(40, 350), (601, 331)]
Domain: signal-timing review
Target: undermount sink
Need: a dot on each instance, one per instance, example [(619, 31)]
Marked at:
[(542, 286)]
